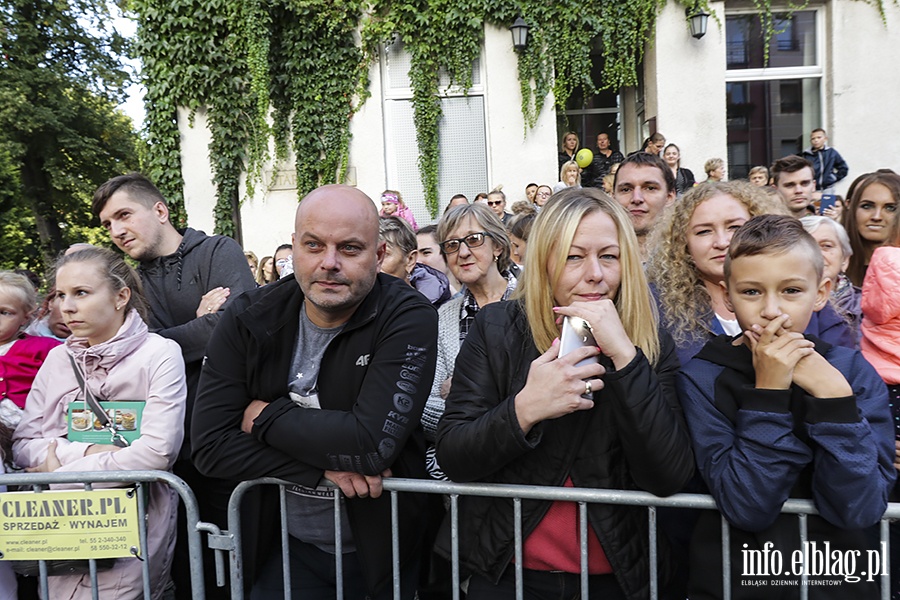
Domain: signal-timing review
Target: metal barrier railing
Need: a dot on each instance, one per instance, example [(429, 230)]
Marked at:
[(39, 482), (230, 540)]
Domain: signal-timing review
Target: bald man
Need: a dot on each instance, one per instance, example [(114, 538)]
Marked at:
[(324, 376)]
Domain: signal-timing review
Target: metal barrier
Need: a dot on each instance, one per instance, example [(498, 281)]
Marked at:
[(230, 540), (39, 482)]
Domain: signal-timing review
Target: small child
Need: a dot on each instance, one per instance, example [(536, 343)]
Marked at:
[(21, 355), (773, 415), (392, 205)]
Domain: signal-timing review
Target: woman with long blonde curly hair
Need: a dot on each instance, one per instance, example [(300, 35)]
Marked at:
[(686, 266)]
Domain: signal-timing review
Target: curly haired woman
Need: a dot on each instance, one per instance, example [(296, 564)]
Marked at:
[(686, 266)]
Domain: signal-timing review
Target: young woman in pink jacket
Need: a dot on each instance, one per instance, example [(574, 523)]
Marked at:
[(119, 360)]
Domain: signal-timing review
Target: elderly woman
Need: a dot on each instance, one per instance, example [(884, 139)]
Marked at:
[(518, 413), (687, 265), (715, 170), (477, 250), (836, 251)]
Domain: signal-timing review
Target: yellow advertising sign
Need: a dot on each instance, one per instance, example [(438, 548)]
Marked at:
[(68, 524)]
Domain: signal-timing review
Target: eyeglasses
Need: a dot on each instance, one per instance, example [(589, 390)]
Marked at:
[(494, 202), (473, 240), (544, 194)]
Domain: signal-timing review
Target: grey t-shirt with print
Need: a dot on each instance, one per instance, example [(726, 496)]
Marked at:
[(310, 512)]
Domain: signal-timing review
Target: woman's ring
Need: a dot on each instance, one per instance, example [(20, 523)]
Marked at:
[(587, 388)]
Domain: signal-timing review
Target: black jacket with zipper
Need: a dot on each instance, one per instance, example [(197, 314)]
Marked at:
[(634, 438), (373, 382)]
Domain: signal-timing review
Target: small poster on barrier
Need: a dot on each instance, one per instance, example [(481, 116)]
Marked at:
[(54, 525), (125, 417)]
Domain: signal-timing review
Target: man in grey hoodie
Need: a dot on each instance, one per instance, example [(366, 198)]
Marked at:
[(188, 278)]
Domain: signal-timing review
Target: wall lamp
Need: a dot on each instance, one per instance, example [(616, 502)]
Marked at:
[(699, 19), (519, 31)]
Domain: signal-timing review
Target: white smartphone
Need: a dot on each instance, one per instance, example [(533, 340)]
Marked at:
[(576, 333)]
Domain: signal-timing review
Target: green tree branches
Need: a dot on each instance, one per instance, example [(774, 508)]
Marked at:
[(61, 76)]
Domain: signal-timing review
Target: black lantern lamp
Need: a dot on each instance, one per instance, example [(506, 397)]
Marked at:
[(519, 31), (699, 19)]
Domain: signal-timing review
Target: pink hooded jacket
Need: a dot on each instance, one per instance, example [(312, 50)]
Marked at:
[(881, 313), (133, 365)]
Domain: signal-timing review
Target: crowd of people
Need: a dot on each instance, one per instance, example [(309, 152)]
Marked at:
[(736, 338)]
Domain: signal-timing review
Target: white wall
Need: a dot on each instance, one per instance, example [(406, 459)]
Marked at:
[(199, 191), (367, 159), (862, 122), (514, 157), (685, 86)]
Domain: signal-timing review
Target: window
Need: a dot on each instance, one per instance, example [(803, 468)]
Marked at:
[(589, 115), (772, 105), (462, 143)]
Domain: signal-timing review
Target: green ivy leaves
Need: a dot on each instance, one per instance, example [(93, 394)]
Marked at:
[(293, 72)]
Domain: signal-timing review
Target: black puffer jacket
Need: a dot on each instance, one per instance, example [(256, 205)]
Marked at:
[(634, 438)]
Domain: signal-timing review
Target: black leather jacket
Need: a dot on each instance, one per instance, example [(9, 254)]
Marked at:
[(634, 438)]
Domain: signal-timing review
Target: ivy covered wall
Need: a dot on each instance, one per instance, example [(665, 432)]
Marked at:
[(290, 74)]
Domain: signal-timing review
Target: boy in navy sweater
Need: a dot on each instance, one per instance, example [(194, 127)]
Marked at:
[(775, 414)]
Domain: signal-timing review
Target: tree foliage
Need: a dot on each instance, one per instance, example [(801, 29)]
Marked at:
[(61, 77)]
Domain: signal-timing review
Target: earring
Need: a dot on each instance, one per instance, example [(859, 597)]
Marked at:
[(119, 307)]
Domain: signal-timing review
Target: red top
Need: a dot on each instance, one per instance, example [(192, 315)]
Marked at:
[(20, 364), (555, 544)]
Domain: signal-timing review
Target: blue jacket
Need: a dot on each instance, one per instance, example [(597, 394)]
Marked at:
[(756, 448), (826, 324), (828, 165)]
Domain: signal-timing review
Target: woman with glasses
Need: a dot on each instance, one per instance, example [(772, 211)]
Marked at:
[(542, 195), (477, 249), (604, 415)]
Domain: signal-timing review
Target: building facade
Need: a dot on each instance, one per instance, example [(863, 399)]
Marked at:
[(828, 66)]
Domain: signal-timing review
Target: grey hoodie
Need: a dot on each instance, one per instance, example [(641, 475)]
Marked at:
[(175, 284)]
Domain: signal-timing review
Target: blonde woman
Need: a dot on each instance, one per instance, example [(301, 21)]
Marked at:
[(687, 265), (569, 176), (568, 147), (715, 170), (117, 359), (517, 413)]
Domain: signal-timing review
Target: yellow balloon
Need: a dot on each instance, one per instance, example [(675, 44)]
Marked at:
[(584, 157)]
